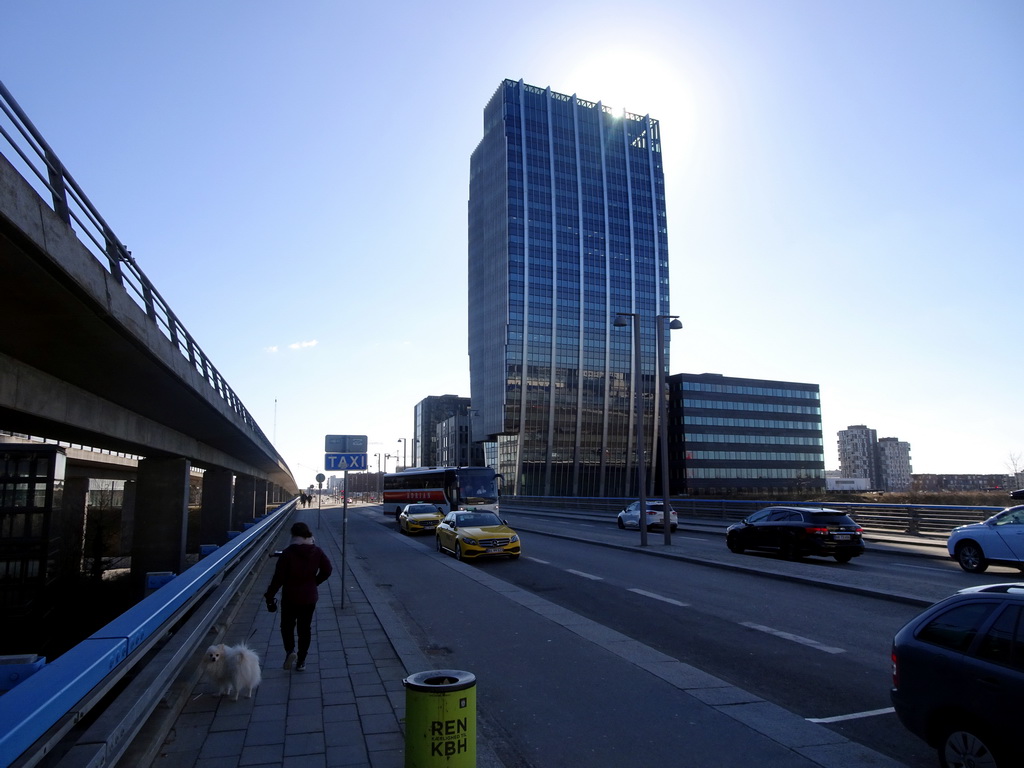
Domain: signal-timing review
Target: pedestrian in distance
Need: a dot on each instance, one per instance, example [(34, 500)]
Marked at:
[(300, 569)]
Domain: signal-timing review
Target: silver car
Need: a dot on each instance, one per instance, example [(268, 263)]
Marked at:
[(630, 516), (997, 541)]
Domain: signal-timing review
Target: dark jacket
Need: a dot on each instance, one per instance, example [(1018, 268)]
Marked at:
[(300, 569)]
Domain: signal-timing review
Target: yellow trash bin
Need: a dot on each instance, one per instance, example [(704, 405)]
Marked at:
[(440, 719)]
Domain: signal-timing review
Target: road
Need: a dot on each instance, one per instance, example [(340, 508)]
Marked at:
[(811, 636)]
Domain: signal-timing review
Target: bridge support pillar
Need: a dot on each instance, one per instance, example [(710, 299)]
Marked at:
[(74, 502), (215, 512), (245, 501), (260, 504), (161, 508)]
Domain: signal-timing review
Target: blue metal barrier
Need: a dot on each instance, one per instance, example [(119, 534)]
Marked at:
[(32, 708)]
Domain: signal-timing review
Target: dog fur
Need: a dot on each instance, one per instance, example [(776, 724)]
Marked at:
[(233, 667)]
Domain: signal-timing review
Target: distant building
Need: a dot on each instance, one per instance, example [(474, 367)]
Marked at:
[(961, 483), (428, 413), (848, 484), (454, 448), (858, 456), (894, 464), (752, 435), (885, 462)]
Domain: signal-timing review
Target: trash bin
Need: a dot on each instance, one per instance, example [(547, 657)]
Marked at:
[(440, 719)]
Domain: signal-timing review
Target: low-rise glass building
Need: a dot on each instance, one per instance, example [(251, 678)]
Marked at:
[(733, 435)]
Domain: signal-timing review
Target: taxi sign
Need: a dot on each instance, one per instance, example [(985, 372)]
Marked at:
[(336, 461)]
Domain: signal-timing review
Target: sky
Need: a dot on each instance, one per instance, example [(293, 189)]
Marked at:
[(844, 184)]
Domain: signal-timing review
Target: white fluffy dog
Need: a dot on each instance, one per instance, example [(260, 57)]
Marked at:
[(233, 667)]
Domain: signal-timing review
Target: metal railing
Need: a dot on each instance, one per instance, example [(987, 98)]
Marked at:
[(138, 656), (41, 167), (907, 519)]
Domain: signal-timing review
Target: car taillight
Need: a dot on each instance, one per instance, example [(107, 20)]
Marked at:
[(816, 530), (895, 671)]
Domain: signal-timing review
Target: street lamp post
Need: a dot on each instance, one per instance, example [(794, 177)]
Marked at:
[(641, 464), (378, 476), (404, 443), (675, 325)]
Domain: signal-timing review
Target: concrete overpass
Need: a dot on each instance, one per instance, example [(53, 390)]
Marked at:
[(91, 354)]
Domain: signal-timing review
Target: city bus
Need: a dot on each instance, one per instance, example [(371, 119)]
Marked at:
[(447, 488)]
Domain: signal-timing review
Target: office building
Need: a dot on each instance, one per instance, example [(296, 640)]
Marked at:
[(729, 435), (427, 415), (567, 229), (454, 446)]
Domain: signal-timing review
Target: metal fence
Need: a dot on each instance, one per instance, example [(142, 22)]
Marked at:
[(112, 681), (911, 519)]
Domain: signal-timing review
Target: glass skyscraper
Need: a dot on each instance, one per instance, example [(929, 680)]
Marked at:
[(567, 229)]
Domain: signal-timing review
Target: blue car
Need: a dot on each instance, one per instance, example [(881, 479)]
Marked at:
[(958, 676)]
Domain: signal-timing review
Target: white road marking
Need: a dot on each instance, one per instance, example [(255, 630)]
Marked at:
[(795, 638), (920, 567), (855, 716), (538, 560), (664, 599), (590, 576)]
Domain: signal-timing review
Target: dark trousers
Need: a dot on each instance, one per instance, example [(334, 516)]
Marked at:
[(297, 616)]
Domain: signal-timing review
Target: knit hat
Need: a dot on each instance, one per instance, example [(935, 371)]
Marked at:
[(301, 529)]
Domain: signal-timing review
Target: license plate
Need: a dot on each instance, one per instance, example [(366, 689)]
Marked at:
[(841, 537), (494, 550)]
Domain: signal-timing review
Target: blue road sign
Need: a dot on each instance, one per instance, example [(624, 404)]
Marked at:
[(345, 444), (336, 461)]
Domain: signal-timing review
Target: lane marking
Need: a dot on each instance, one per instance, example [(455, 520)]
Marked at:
[(921, 567), (590, 576), (538, 560), (855, 716), (664, 599), (795, 638)]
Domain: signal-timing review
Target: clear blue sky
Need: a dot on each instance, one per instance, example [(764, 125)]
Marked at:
[(845, 186)]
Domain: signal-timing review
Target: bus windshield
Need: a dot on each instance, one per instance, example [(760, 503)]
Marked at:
[(477, 485)]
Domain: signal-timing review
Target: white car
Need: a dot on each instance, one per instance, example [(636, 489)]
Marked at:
[(997, 541), (630, 516)]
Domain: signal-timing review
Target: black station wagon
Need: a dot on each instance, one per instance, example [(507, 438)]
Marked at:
[(794, 532)]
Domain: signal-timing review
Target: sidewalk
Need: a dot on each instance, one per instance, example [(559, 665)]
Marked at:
[(347, 708)]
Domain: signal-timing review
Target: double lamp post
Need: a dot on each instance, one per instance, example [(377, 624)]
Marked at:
[(641, 448)]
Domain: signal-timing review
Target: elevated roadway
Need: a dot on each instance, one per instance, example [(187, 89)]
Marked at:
[(91, 353)]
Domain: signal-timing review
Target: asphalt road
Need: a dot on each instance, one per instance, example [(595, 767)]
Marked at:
[(811, 636)]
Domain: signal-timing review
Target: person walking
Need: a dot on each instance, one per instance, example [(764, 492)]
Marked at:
[(300, 569)]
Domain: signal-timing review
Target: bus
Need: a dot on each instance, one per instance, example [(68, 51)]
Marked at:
[(447, 488)]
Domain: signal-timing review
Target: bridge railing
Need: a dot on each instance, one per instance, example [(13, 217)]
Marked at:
[(40, 166), (909, 519), (118, 675)]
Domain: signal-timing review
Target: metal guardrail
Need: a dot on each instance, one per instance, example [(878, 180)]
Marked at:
[(908, 519), (147, 645), (41, 167)]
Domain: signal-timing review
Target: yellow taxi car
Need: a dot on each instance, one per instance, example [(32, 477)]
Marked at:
[(419, 518), (469, 534)]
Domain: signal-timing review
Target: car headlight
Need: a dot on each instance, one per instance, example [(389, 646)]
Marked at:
[(471, 542), (515, 538)]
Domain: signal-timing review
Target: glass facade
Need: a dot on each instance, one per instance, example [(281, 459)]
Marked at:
[(729, 435), (567, 228), (427, 415)]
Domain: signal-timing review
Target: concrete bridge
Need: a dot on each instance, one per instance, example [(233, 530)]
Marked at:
[(91, 354)]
